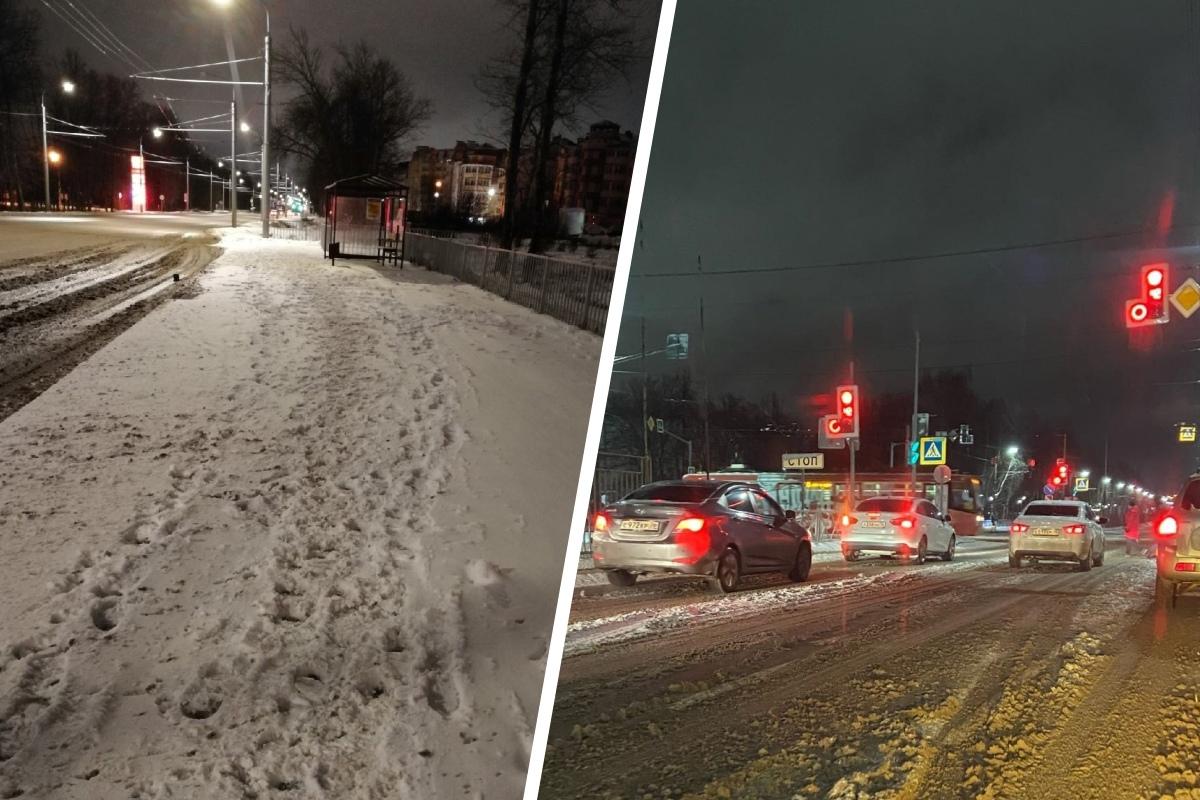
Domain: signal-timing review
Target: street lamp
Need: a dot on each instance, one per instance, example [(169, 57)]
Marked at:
[(55, 158), (266, 153), (244, 127), (1012, 451), (156, 132), (68, 88)]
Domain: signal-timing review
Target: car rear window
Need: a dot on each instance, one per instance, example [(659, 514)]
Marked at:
[(885, 505), (1189, 498), (672, 493), (1048, 510)]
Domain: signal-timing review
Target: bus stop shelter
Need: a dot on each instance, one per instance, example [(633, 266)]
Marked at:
[(364, 218)]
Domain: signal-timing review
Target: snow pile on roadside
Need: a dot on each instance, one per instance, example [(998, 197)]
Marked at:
[(286, 537)]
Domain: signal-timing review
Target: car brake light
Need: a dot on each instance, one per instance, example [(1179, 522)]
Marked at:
[(1167, 527), (691, 534), (848, 520), (1019, 527), (601, 523), (1185, 566), (904, 522), (1075, 530)]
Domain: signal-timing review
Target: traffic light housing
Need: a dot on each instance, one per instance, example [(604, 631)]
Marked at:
[(829, 433), (847, 411), (1061, 475), (1151, 307)]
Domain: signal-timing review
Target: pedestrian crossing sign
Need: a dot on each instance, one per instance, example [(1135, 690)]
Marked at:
[(933, 450)]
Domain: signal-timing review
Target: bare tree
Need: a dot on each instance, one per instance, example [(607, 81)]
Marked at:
[(571, 53), (349, 119), (19, 80)]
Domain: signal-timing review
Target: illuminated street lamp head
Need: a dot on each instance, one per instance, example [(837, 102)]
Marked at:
[(68, 86), (220, 163), (157, 133), (1012, 450), (491, 191), (54, 156), (245, 127), (1106, 480), (222, 3)]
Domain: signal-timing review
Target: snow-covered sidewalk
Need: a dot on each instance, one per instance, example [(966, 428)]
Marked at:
[(301, 534)]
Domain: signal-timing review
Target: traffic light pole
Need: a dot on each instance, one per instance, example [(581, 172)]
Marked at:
[(853, 442), (916, 389)]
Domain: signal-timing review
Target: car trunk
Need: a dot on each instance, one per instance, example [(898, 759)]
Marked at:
[(645, 520), (1049, 526)]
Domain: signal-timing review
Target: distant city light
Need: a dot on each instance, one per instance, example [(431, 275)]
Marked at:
[(245, 127), (68, 86), (157, 132), (54, 156)]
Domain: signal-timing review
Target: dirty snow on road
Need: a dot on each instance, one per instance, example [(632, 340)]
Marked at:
[(298, 534), (986, 681)]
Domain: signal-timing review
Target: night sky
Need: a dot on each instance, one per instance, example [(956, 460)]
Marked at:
[(439, 45), (810, 135)]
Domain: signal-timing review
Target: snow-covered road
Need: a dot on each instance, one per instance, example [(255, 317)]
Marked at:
[(297, 535), (960, 680)]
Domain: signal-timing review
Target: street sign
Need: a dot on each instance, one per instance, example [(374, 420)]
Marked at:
[(677, 346), (1187, 433), (941, 475), (1048, 490), (933, 450), (824, 440), (658, 425), (804, 461), (650, 424), (1186, 298), (1081, 485)]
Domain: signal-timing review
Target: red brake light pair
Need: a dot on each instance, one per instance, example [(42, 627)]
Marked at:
[(1019, 527), (1074, 530)]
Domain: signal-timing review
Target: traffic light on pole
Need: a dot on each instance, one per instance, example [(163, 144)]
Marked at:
[(1061, 474), (1151, 308), (847, 410)]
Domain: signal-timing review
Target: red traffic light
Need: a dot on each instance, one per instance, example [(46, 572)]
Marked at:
[(833, 427), (847, 409), (1151, 307)]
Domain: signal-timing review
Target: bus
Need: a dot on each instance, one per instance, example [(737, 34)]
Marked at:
[(818, 498)]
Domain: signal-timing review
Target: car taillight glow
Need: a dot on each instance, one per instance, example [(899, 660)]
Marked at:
[(601, 523), (1074, 530), (1019, 527), (1185, 566), (904, 522), (848, 520), (1167, 527), (692, 534)]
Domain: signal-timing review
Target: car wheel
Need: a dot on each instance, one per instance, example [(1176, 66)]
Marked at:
[(922, 546), (803, 564), (949, 554), (1085, 563), (621, 577), (1014, 561), (729, 571)]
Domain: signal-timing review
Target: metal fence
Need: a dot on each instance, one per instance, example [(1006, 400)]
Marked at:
[(571, 291), (299, 230), (610, 484)]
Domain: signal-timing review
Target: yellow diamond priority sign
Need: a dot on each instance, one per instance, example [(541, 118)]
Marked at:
[(1186, 298)]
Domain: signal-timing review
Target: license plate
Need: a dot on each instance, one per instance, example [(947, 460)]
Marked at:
[(638, 525), (872, 524), (1046, 532)]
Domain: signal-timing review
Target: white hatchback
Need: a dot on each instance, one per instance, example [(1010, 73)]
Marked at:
[(904, 526), (1057, 530)]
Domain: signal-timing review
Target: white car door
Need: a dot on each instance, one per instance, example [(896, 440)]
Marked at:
[(933, 528)]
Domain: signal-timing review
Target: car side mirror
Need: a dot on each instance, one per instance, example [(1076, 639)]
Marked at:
[(789, 514)]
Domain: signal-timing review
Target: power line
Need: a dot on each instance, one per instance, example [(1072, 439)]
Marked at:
[(923, 257)]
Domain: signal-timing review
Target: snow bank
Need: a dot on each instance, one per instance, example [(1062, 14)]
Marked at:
[(300, 534)]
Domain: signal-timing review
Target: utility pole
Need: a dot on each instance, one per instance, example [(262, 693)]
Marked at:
[(645, 414), (266, 153), (704, 358), (233, 161), (916, 391), (853, 443), (187, 191), (210, 192), (45, 153)]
